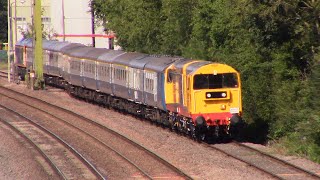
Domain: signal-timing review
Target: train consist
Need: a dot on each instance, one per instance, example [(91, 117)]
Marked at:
[(199, 98)]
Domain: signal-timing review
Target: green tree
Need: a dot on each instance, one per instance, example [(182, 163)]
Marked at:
[(289, 32), (273, 43), (176, 25), (136, 23), (4, 20), (223, 32)]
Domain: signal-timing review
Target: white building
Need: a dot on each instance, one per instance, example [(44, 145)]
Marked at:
[(64, 20), (71, 21), (20, 18)]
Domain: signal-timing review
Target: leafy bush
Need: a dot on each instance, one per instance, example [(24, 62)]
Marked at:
[(274, 45), (3, 55)]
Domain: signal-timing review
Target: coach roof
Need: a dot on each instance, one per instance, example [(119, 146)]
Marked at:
[(24, 42), (159, 64)]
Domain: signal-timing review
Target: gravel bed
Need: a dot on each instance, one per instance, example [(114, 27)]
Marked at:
[(18, 159), (195, 159), (295, 160)]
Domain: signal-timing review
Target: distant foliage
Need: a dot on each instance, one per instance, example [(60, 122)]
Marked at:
[(3, 56), (273, 43), (136, 22), (4, 22)]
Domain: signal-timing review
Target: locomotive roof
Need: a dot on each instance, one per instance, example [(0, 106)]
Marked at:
[(180, 64), (195, 66)]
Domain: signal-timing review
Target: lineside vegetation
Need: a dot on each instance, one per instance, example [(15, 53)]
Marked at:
[(273, 43), (3, 60)]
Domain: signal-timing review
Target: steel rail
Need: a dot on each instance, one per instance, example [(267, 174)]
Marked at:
[(244, 161), (279, 160), (64, 143), (47, 159), (127, 139), (88, 134), (4, 74), (102, 143)]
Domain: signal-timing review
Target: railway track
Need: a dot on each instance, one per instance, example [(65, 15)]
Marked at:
[(268, 164), (142, 162), (264, 162), (3, 74), (60, 155)]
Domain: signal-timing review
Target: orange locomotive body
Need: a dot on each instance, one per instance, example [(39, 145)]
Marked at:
[(209, 94)]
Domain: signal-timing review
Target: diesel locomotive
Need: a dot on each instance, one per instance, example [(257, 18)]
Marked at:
[(195, 97)]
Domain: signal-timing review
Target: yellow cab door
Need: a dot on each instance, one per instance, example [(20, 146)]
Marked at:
[(188, 92), (176, 88)]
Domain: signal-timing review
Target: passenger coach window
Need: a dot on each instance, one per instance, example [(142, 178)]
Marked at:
[(210, 81)]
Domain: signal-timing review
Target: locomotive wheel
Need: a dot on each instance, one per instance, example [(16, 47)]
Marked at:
[(201, 137), (236, 132), (199, 134), (174, 127), (192, 132)]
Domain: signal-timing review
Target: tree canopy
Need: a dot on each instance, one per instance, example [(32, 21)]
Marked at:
[(4, 20), (273, 43)]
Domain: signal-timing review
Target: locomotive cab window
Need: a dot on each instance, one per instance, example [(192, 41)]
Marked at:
[(210, 81)]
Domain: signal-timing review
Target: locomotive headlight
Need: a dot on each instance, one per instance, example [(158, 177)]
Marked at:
[(223, 107), (224, 95), (208, 95)]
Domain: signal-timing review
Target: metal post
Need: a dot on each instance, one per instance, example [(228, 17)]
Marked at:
[(15, 40), (15, 37), (15, 22), (9, 39), (38, 45), (92, 24), (63, 24)]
